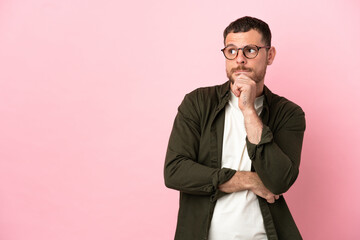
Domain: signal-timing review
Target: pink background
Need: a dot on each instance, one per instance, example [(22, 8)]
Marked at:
[(89, 91)]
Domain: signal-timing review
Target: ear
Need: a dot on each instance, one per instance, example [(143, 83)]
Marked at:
[(271, 55)]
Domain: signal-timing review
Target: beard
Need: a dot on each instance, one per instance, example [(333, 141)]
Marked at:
[(257, 77)]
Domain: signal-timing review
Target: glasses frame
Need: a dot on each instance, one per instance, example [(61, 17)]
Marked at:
[(242, 49)]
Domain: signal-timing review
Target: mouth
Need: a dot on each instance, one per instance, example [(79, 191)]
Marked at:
[(241, 71), (238, 72)]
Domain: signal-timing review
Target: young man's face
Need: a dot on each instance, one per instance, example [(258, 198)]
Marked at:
[(254, 68)]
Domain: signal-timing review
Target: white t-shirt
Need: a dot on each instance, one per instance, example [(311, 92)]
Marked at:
[(237, 215)]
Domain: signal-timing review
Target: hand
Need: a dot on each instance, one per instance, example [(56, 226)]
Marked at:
[(245, 89)]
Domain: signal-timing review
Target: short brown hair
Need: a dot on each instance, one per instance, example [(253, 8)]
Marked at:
[(247, 23)]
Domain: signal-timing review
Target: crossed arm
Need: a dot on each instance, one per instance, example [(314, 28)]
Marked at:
[(276, 165), (248, 181), (246, 90)]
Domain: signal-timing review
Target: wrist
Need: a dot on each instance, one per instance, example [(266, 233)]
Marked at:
[(253, 181), (249, 112)]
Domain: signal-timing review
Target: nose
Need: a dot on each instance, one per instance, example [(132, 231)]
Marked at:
[(240, 58)]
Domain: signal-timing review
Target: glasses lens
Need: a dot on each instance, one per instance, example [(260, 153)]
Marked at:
[(250, 51), (230, 52)]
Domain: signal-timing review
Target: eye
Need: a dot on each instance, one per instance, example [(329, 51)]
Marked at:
[(250, 50), (231, 51)]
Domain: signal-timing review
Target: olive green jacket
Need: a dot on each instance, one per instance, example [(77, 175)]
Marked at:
[(193, 160)]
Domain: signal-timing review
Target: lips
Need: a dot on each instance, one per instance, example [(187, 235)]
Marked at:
[(240, 70), (237, 73)]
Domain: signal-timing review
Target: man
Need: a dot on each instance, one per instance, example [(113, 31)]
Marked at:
[(235, 148)]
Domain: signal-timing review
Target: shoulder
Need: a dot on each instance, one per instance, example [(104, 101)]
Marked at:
[(280, 103), (202, 100), (285, 111), (208, 92), (206, 95)]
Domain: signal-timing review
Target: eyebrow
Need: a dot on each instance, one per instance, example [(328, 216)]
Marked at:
[(231, 45)]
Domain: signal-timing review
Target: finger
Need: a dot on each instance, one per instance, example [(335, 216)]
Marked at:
[(241, 87), (244, 78), (244, 85), (277, 197), (270, 200), (236, 89)]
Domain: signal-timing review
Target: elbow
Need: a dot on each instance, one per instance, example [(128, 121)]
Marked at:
[(169, 177), (168, 184), (171, 170), (281, 185), (168, 181), (278, 190)]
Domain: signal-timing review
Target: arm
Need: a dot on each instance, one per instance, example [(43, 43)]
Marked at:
[(182, 170), (246, 90), (248, 181), (276, 159)]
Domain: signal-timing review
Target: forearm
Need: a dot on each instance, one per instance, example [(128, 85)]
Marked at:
[(239, 182), (248, 181), (253, 126)]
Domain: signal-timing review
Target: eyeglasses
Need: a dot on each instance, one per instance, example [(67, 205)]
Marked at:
[(249, 51)]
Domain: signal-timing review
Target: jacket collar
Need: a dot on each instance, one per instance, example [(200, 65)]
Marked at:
[(268, 95), (266, 105), (224, 91)]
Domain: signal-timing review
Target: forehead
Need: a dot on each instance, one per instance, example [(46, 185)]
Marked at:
[(244, 38)]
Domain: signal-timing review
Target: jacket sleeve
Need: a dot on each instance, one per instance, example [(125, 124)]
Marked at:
[(276, 158), (182, 170)]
